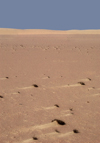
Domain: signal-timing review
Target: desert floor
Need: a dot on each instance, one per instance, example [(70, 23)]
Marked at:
[(50, 88)]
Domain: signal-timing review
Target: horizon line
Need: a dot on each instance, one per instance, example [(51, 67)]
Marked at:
[(6, 31)]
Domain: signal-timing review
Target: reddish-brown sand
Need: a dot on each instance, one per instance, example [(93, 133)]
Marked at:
[(49, 87)]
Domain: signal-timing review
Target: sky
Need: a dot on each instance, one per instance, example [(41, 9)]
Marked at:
[(50, 14)]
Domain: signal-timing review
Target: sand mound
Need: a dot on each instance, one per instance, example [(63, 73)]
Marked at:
[(8, 31)]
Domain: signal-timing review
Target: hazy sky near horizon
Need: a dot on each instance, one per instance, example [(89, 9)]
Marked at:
[(50, 14)]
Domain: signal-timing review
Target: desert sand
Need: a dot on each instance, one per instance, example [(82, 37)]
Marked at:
[(49, 86)]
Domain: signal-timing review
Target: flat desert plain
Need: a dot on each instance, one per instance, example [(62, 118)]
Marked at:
[(49, 86)]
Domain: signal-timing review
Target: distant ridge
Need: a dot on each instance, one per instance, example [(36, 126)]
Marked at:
[(8, 31)]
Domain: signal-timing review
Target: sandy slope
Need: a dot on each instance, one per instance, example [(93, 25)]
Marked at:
[(7, 31), (50, 88)]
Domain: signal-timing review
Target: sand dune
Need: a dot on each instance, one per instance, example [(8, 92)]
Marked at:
[(7, 31), (49, 86)]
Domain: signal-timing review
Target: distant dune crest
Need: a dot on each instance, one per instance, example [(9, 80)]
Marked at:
[(8, 31)]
